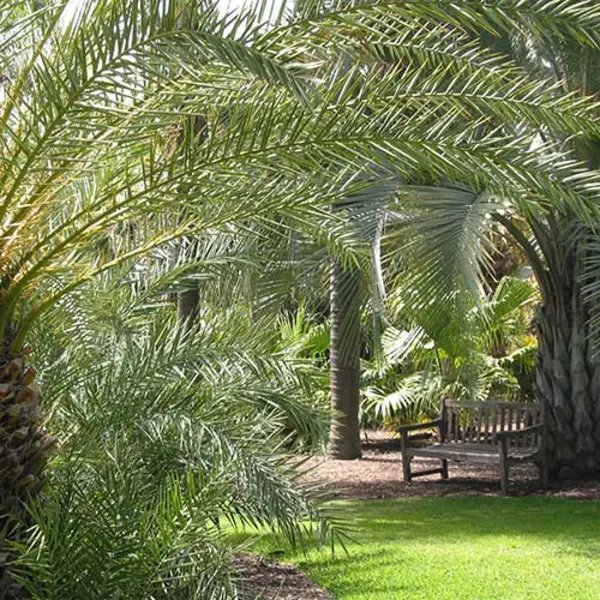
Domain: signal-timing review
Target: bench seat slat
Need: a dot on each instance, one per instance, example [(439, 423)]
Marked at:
[(470, 452)]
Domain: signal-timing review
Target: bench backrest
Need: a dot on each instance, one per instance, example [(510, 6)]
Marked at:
[(478, 422)]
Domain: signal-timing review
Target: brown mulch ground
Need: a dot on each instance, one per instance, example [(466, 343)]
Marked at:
[(268, 580), (379, 475)]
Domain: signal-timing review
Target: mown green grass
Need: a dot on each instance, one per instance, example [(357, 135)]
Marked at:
[(532, 548)]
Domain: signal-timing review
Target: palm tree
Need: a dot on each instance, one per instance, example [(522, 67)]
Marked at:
[(197, 438), (417, 371), (449, 237), (90, 101), (363, 214), (467, 93), (561, 245), (88, 108), (344, 356), (563, 252)]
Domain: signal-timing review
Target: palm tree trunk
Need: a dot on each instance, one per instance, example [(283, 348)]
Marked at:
[(568, 383), (188, 305), (568, 362), (345, 287), (24, 451)]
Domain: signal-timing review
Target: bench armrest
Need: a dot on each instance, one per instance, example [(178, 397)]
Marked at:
[(404, 429), (417, 426), (506, 435)]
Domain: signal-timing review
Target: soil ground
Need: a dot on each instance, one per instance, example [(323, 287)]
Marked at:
[(379, 475), (268, 580)]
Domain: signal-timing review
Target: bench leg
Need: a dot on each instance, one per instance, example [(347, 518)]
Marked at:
[(444, 469), (503, 474), (406, 458), (406, 467)]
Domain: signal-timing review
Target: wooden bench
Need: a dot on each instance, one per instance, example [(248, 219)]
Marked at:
[(486, 432)]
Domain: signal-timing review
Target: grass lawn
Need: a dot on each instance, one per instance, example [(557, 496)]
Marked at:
[(532, 548)]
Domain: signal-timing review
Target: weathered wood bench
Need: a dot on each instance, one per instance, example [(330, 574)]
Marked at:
[(486, 432)]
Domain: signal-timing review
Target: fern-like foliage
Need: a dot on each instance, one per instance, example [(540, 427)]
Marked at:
[(169, 436)]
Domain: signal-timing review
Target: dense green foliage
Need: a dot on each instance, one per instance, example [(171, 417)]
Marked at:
[(152, 147), (460, 549), (493, 357), (166, 434)]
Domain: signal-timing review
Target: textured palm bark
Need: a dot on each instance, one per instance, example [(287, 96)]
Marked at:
[(568, 361), (345, 300), (568, 382), (25, 448), (568, 365)]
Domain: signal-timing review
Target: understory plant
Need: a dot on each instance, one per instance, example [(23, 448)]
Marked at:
[(169, 434), (491, 356)]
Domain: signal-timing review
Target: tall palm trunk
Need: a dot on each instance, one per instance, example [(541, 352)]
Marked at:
[(188, 301), (24, 450), (188, 305), (345, 287), (568, 365), (568, 383)]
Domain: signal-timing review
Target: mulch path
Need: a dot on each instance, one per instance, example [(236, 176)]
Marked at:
[(379, 475), (268, 580)]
